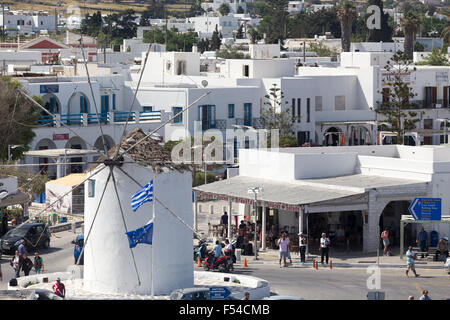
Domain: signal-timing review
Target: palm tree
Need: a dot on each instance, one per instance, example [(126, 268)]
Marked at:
[(410, 23), (346, 13), (446, 34)]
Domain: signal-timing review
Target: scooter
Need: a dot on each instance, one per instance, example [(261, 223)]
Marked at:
[(200, 250), (221, 263)]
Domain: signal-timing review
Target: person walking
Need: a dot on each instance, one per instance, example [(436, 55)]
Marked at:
[(385, 237), (224, 223), (16, 263), (59, 288), (22, 248), (38, 263), (425, 295), (422, 241), (283, 244), (410, 257), (27, 264), (324, 247), (246, 296), (302, 247)]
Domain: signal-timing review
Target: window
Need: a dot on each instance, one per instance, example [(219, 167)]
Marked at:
[(231, 111), (114, 101), (445, 102), (91, 188), (147, 108), (207, 115), (246, 70), (83, 105), (179, 118), (293, 110), (299, 109), (386, 95), (318, 103), (430, 97), (105, 104), (247, 114), (308, 113), (302, 137), (181, 67), (339, 103)]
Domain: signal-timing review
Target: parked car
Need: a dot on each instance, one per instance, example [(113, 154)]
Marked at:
[(282, 298), (79, 243), (35, 235), (193, 294)]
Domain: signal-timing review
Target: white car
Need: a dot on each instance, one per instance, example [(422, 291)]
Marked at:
[(447, 265)]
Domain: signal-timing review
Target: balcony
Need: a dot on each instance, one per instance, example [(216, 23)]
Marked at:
[(111, 118)]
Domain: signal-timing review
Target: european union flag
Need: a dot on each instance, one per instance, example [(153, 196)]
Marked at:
[(141, 196), (141, 235)]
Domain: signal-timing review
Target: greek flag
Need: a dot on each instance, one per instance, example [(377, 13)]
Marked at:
[(141, 235), (141, 196)]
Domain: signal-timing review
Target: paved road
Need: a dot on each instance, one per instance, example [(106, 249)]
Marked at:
[(57, 258), (348, 283)]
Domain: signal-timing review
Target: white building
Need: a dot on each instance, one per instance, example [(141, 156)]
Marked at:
[(28, 22), (233, 5), (296, 6), (313, 190)]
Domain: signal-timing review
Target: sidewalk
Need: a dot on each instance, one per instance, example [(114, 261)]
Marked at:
[(342, 260)]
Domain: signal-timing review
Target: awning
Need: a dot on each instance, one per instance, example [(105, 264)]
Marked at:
[(291, 194), (294, 193), (13, 199), (60, 153), (70, 180)]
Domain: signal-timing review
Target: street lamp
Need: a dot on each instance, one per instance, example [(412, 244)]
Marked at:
[(12, 146), (255, 192)]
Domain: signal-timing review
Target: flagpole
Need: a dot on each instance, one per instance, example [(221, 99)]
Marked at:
[(153, 245)]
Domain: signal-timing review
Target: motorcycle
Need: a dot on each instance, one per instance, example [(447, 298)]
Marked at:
[(200, 250), (222, 263)]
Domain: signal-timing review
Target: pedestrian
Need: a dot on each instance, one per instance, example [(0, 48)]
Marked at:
[(16, 263), (425, 295), (302, 247), (385, 237), (217, 253), (324, 247), (59, 288), (38, 263), (411, 298), (422, 241), (242, 228), (22, 248), (246, 296), (283, 244), (224, 223), (410, 257), (441, 249), (27, 264)]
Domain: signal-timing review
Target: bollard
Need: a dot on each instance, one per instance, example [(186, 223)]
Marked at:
[(314, 263), (199, 262), (74, 227), (331, 264), (245, 263), (317, 265)]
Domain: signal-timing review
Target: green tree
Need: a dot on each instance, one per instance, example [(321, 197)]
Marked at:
[(32, 184), (346, 14), (19, 115), (385, 32), (395, 108), (224, 9), (437, 57), (215, 40), (231, 53), (240, 32), (410, 23), (274, 115), (176, 41), (274, 22), (240, 10), (418, 47)]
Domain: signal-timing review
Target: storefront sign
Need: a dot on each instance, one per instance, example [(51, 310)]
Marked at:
[(60, 136), (389, 78)]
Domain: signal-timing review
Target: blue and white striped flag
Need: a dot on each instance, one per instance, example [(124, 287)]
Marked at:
[(141, 196)]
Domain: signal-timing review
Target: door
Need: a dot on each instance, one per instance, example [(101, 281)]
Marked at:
[(105, 108), (207, 114), (247, 114)]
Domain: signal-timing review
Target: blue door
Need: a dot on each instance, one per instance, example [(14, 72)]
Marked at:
[(207, 115), (247, 114), (105, 108)]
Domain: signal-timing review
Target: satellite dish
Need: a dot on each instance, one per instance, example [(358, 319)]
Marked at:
[(204, 83)]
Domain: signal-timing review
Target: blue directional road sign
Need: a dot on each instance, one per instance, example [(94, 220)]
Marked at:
[(426, 209), (218, 293)]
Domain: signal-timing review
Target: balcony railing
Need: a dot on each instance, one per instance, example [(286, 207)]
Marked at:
[(86, 119)]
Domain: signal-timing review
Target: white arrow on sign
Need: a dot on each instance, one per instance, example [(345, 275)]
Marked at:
[(411, 208)]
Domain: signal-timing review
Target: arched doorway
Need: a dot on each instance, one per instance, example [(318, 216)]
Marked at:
[(390, 218), (99, 144), (76, 143), (359, 136), (331, 137), (78, 103), (45, 144)]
